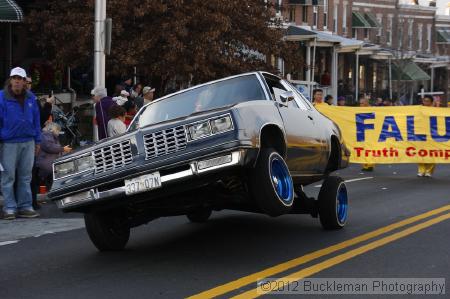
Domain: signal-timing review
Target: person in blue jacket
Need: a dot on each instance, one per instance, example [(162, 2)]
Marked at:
[(20, 136)]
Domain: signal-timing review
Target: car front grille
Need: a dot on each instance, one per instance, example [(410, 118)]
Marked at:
[(165, 142), (113, 156)]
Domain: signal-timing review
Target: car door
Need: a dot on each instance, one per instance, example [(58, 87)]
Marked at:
[(302, 145)]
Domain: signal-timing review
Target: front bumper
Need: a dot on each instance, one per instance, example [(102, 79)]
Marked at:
[(196, 169)]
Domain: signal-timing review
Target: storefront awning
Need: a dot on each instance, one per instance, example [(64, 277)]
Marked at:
[(10, 11), (443, 36), (408, 71), (294, 33), (359, 20), (372, 20)]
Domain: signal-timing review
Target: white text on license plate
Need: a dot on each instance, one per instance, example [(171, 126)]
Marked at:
[(143, 183)]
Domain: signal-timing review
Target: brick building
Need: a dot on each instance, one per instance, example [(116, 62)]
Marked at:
[(403, 45)]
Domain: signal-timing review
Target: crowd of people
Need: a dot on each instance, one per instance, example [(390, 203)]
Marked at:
[(114, 114)]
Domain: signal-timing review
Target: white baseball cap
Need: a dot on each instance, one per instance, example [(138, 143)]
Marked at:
[(18, 71), (147, 89)]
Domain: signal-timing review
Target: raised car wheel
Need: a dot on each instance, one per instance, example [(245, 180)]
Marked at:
[(108, 233), (271, 183), (333, 203), (199, 216)]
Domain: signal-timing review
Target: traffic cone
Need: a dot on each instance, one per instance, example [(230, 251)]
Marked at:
[(42, 189)]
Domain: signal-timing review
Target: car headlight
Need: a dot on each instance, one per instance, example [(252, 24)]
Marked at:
[(199, 130), (74, 166), (221, 124), (64, 169), (84, 163)]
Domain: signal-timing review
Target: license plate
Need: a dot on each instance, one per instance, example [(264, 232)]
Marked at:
[(143, 183)]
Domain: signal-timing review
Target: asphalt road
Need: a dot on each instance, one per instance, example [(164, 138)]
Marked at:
[(171, 258)]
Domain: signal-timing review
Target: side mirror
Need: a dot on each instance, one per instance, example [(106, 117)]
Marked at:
[(287, 96)]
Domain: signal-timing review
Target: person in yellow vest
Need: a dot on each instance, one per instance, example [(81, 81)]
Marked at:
[(317, 97), (364, 102), (426, 169)]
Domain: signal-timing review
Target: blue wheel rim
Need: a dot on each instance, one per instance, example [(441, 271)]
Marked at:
[(281, 180), (342, 204)]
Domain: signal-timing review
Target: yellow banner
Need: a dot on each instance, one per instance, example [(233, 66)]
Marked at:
[(401, 134)]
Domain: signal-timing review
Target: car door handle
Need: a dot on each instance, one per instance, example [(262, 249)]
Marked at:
[(310, 117)]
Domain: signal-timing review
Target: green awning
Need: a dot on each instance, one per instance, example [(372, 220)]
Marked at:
[(10, 11), (372, 20), (408, 71), (359, 21), (443, 36)]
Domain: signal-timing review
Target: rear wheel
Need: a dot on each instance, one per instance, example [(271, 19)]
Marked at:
[(271, 183), (199, 216), (333, 203), (107, 231)]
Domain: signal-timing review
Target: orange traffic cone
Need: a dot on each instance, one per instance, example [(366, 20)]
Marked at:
[(42, 189)]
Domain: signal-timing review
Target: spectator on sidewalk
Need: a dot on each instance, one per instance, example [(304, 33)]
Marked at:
[(122, 99), (50, 150), (329, 100), (341, 101), (116, 125), (364, 102), (149, 94), (426, 169), (102, 105), (20, 135), (136, 91)]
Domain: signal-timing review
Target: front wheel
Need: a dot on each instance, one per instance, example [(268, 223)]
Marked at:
[(108, 232), (271, 183), (333, 203)]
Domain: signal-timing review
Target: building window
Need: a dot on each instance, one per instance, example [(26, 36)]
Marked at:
[(335, 15), (325, 14), (429, 37), (292, 14), (315, 10), (419, 36), (366, 33), (278, 7), (389, 31), (410, 34), (400, 34), (344, 19), (380, 20), (355, 33), (305, 14)]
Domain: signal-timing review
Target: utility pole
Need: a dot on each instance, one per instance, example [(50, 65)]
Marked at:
[(99, 53), (99, 43)]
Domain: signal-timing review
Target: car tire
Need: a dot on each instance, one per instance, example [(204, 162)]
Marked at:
[(271, 183), (108, 233), (333, 203), (199, 216)]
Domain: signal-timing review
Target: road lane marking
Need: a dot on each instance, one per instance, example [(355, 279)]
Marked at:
[(8, 242), (307, 272), (351, 180), (271, 271)]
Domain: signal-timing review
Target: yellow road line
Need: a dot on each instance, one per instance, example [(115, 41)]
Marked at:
[(252, 278), (307, 272)]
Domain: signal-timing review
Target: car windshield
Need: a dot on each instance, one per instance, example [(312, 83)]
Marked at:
[(207, 97)]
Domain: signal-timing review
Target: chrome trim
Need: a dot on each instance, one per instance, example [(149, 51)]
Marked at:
[(157, 144), (107, 158), (94, 194), (235, 158)]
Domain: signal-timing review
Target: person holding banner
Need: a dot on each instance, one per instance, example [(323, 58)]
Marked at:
[(364, 102), (426, 169), (317, 97)]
